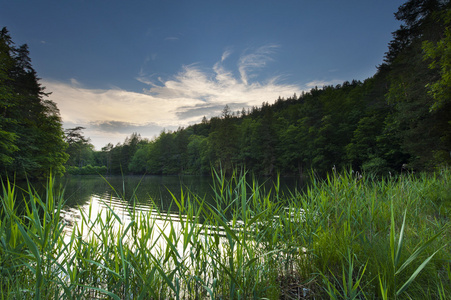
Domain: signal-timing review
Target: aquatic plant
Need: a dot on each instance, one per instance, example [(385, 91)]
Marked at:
[(345, 237)]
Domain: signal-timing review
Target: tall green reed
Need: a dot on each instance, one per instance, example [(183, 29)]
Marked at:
[(346, 237), (30, 241)]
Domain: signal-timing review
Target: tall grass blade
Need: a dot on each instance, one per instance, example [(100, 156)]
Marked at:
[(414, 275)]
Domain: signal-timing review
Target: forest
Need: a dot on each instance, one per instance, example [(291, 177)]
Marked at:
[(31, 134), (397, 120)]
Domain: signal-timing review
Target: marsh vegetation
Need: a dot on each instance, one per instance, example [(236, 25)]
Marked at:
[(345, 237)]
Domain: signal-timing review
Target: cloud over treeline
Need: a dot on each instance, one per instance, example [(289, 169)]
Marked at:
[(180, 100)]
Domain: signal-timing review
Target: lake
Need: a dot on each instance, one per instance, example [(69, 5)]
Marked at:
[(80, 189), (142, 190), (122, 192), (96, 196)]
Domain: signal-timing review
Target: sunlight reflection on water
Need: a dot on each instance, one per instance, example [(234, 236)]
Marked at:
[(90, 219)]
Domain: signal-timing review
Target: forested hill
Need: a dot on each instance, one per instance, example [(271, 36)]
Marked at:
[(400, 119)]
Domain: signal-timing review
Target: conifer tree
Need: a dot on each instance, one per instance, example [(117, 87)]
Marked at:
[(30, 126)]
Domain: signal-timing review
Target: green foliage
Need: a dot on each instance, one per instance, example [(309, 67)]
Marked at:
[(79, 149), (439, 52), (87, 170), (420, 116), (138, 161), (31, 136), (347, 237)]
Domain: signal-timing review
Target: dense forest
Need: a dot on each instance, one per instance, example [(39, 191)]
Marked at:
[(395, 121), (31, 135)]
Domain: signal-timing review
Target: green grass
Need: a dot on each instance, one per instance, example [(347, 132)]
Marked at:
[(345, 237)]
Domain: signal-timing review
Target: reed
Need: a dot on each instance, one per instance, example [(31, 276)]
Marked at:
[(345, 237)]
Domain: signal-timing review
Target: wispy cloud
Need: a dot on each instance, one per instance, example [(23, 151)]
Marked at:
[(254, 60), (226, 54), (181, 100), (207, 92)]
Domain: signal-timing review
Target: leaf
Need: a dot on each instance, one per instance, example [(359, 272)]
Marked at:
[(112, 211), (31, 245), (400, 240), (103, 267), (114, 296), (415, 274), (418, 251)]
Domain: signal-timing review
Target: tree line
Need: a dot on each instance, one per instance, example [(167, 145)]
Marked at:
[(399, 119), (31, 135)]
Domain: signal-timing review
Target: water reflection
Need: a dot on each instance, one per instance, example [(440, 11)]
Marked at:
[(143, 191), (109, 221), (95, 196), (89, 199)]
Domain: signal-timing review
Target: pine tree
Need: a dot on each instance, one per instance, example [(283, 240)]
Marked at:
[(30, 125)]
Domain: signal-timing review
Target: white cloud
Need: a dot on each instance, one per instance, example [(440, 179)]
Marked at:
[(80, 105), (226, 54), (179, 101), (255, 60), (205, 91)]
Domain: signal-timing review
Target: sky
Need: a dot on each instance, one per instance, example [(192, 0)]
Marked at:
[(117, 67)]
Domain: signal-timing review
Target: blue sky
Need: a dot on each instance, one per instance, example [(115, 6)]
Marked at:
[(118, 67)]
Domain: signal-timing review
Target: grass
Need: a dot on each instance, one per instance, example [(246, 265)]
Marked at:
[(345, 237)]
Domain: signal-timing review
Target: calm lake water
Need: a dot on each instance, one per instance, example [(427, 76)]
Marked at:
[(94, 196), (80, 190)]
